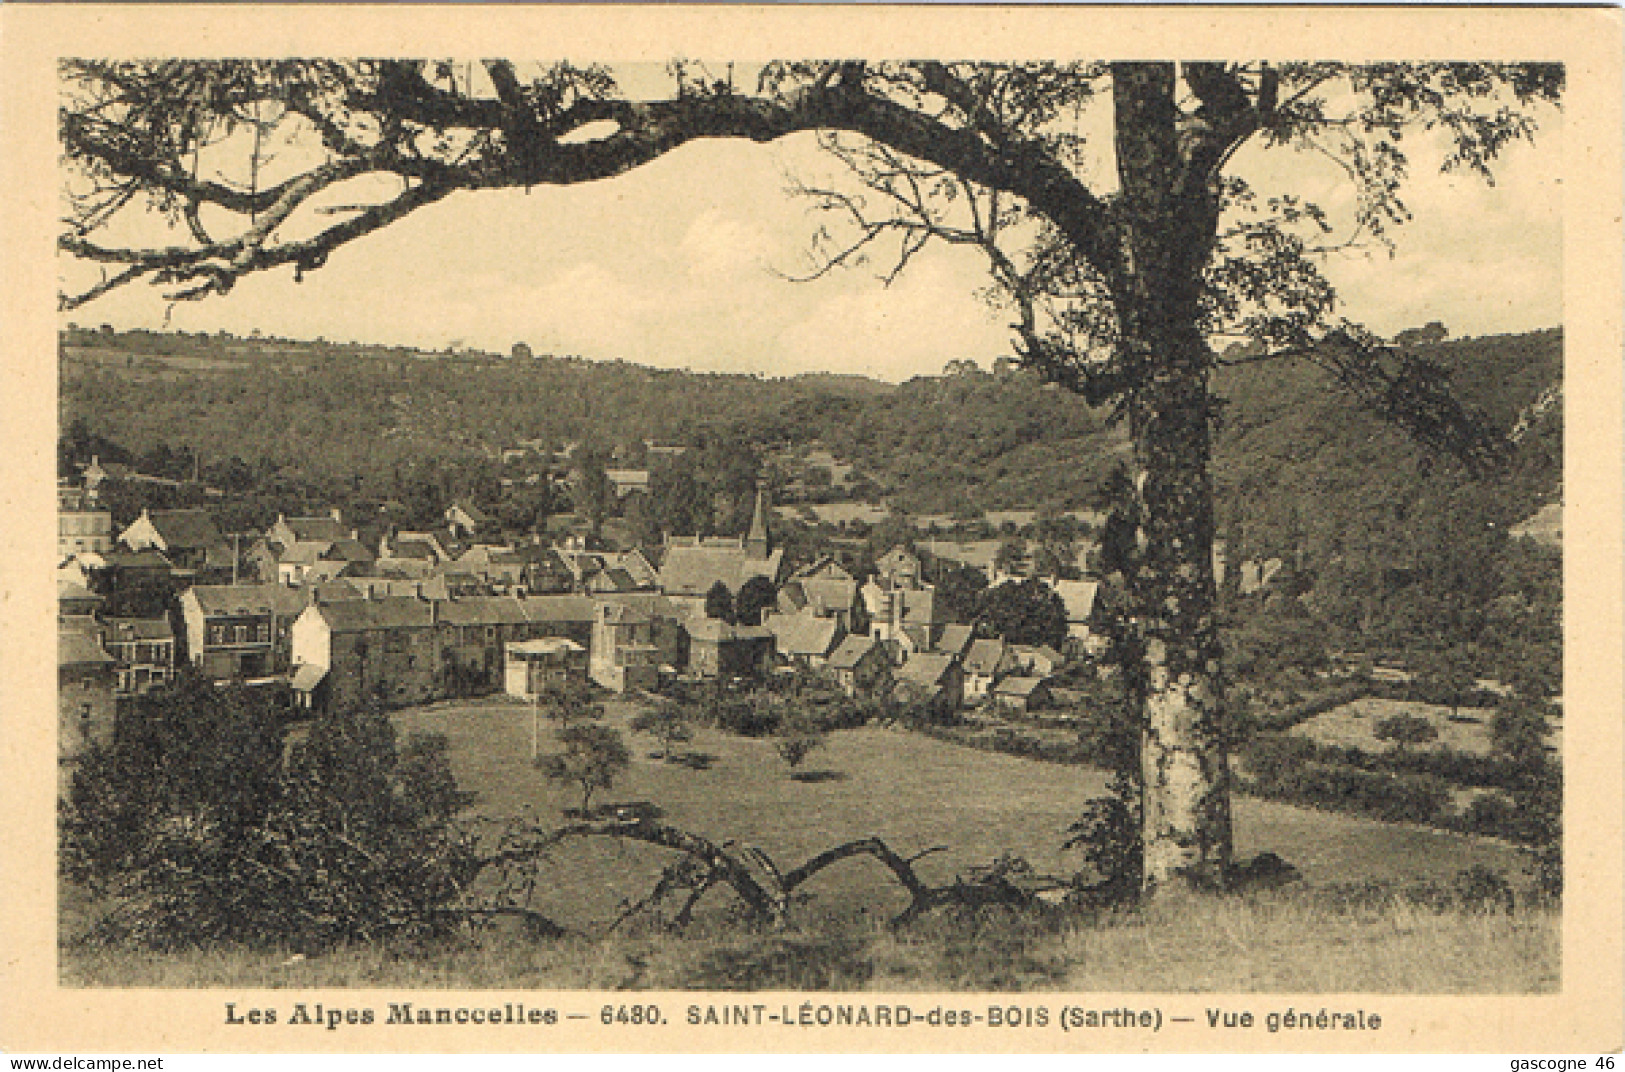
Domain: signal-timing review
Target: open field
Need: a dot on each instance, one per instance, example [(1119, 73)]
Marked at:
[(1354, 726), (912, 791), (916, 793)]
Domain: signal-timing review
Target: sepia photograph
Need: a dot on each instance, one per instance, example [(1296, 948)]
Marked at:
[(983, 543)]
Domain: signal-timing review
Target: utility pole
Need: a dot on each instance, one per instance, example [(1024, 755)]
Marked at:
[(535, 722)]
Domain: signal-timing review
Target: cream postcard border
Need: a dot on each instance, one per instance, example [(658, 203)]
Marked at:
[(36, 1014)]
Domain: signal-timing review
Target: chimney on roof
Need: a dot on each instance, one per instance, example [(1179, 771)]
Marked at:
[(336, 514)]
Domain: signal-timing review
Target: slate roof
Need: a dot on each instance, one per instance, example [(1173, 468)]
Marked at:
[(75, 648), (186, 528), (926, 668), (791, 598), (363, 615), (472, 512), (418, 549), (557, 608), (717, 631), (234, 599), (985, 657), (333, 591), (139, 629), (828, 595), (825, 567), (692, 569), (68, 591), (1079, 597), (148, 558), (851, 651), (349, 550), (303, 552), (314, 529), (483, 610), (802, 634), (1018, 686), (955, 638)]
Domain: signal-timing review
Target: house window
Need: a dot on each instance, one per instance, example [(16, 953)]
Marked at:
[(217, 634), (262, 632), (239, 634)]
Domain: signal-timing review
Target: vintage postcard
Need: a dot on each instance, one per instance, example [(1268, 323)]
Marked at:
[(867, 529)]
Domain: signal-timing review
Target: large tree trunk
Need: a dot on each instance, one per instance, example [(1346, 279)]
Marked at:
[(1167, 226)]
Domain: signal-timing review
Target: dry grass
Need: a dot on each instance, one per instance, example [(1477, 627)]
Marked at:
[(1284, 942)]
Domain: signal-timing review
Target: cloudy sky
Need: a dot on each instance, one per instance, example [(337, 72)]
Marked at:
[(685, 263)]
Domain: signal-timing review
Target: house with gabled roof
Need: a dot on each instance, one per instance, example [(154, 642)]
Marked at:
[(466, 521), (1039, 660), (143, 651), (859, 664), (1079, 598), (1022, 693), (823, 588), (291, 530), (189, 539), (423, 546), (987, 660), (358, 649), (240, 631), (931, 680), (905, 619), (84, 692), (805, 639), (693, 565), (624, 654), (899, 567), (722, 649), (955, 639)]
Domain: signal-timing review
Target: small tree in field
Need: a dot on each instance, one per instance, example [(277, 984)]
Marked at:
[(799, 737), (1405, 731), (593, 756), (570, 703), (667, 723)]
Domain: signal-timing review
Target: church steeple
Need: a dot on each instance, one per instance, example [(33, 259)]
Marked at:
[(756, 542)]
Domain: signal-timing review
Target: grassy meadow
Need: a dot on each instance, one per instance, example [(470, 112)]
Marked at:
[(916, 793)]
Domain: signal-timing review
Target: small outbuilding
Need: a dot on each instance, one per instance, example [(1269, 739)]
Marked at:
[(534, 666)]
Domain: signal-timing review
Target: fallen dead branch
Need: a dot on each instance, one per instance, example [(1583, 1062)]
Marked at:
[(764, 890)]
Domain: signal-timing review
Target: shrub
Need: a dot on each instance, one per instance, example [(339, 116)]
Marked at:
[(1415, 798), (1482, 889), (1266, 757), (1405, 730), (192, 749), (346, 841)]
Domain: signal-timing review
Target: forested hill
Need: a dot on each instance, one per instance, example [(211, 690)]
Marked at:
[(1300, 465), (349, 419)]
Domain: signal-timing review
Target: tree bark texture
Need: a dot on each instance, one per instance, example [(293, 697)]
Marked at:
[(1169, 219)]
